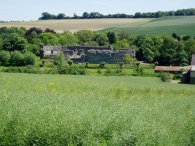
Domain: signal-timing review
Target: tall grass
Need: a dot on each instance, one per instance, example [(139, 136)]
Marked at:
[(93, 110)]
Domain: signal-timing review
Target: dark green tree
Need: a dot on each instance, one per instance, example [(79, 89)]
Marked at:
[(5, 58), (111, 37), (17, 59), (14, 42)]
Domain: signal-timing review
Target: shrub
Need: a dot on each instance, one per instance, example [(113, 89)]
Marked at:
[(29, 58), (58, 59), (99, 71), (4, 58), (137, 70), (72, 70), (102, 65), (17, 59), (167, 77), (70, 62)]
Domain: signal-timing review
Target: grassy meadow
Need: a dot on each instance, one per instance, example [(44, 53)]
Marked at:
[(182, 25), (95, 110)]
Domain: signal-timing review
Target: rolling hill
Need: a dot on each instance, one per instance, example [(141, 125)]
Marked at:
[(182, 25)]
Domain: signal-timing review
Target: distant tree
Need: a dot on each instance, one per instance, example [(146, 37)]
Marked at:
[(84, 36), (111, 37), (46, 16), (29, 58), (35, 49), (121, 44), (48, 38), (138, 15), (14, 42), (101, 39), (67, 38), (85, 15), (75, 16), (17, 59), (4, 58), (61, 16)]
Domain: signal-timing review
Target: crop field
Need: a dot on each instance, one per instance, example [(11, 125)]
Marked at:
[(76, 25), (95, 110), (182, 25)]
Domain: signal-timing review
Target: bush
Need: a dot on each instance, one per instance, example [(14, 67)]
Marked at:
[(167, 77), (102, 65), (72, 70), (29, 58), (17, 59), (58, 59), (4, 58)]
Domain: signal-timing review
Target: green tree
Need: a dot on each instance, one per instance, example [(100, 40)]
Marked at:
[(67, 38), (4, 58), (14, 42), (84, 36), (121, 44), (29, 58), (111, 37), (17, 59), (101, 39), (48, 38)]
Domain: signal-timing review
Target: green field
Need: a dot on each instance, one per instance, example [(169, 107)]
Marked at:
[(182, 25), (95, 110)]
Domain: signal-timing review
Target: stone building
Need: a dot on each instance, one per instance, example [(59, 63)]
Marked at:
[(87, 53)]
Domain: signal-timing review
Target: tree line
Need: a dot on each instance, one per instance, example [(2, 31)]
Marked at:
[(86, 15), (162, 50)]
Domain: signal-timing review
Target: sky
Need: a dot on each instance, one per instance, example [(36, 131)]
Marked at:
[(18, 10)]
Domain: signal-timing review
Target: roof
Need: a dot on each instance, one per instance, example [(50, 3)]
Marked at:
[(193, 59), (172, 68), (167, 68)]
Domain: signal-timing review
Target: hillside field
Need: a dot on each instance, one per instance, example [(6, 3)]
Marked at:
[(182, 25), (95, 110)]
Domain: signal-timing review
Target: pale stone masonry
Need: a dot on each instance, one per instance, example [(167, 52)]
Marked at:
[(91, 54)]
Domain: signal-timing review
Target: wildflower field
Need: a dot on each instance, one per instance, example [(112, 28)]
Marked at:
[(95, 110)]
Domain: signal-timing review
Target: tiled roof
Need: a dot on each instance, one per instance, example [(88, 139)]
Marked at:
[(171, 68)]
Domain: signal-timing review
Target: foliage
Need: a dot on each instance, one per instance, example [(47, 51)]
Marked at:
[(17, 59), (138, 70), (121, 44), (167, 77), (13, 42), (101, 39), (58, 59), (92, 15), (4, 58), (84, 36), (29, 58)]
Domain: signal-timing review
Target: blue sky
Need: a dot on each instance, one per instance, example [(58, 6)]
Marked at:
[(32, 9)]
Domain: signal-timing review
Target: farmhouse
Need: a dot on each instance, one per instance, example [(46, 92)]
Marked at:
[(89, 54)]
